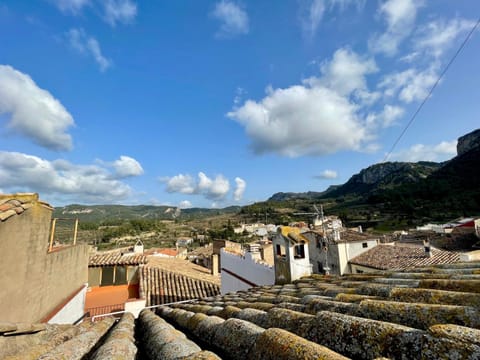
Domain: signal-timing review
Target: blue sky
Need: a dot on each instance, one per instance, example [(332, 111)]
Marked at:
[(217, 103)]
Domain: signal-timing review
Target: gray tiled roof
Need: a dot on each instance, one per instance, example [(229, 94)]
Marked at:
[(117, 258), (425, 313), (385, 257)]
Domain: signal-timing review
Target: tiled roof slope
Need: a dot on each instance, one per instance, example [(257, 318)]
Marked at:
[(383, 257), (426, 313), (117, 258), (105, 339), (159, 286), (16, 204)]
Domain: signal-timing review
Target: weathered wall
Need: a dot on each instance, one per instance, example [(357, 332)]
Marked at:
[(33, 281)]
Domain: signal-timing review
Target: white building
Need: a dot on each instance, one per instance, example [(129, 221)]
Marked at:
[(243, 270), (291, 255), (333, 253)]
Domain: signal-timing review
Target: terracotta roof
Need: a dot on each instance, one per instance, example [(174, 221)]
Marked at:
[(117, 258), (428, 313), (16, 204), (183, 267), (384, 257), (159, 286)]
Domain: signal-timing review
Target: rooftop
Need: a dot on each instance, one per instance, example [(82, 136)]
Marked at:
[(430, 312), (116, 258), (399, 257), (183, 267)]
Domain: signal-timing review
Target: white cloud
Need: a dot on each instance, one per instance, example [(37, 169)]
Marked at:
[(126, 166), (123, 11), (345, 73), (234, 20), (88, 45), (211, 188), (83, 183), (185, 204), (312, 16), (239, 189), (419, 152), (437, 36), (114, 11), (180, 183), (411, 84), (317, 118), (399, 16), (71, 6), (327, 174), (32, 111), (214, 189), (312, 12)]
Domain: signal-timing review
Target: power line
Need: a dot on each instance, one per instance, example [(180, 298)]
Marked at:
[(431, 90)]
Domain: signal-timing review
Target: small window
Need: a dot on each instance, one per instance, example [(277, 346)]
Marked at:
[(120, 275), (107, 276), (359, 271), (320, 267), (280, 250), (365, 245), (299, 252)]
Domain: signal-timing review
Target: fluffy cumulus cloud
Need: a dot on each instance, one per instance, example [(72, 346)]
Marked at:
[(327, 174), (82, 183), (114, 11), (32, 111), (233, 19), (87, 45), (216, 188), (399, 16), (319, 117), (239, 189), (419, 152), (126, 166)]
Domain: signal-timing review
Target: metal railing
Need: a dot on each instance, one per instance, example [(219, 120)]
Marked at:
[(100, 310)]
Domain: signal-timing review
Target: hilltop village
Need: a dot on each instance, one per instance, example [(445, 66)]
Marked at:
[(314, 288)]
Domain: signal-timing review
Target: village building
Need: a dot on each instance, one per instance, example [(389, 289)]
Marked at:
[(332, 253), (113, 283), (401, 257)]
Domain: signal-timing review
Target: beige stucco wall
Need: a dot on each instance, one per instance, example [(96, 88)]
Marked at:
[(34, 282)]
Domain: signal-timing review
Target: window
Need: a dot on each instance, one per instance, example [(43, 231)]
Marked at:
[(280, 250), (364, 245), (359, 271), (320, 267), (299, 251), (120, 275), (107, 275)]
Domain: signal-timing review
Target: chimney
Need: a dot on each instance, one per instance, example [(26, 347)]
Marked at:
[(214, 264), (428, 249)]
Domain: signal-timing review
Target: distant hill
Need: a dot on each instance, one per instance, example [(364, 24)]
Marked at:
[(422, 190), (99, 213)]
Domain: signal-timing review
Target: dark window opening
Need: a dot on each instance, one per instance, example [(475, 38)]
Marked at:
[(107, 276), (280, 250), (364, 245), (299, 252)]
